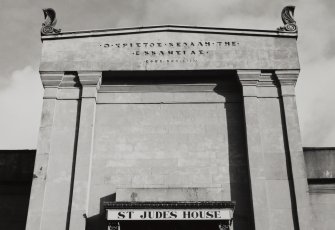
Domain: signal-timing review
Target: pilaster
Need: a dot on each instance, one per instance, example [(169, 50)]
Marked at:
[(278, 187), (287, 80), (249, 80), (62, 149), (51, 81), (90, 82)]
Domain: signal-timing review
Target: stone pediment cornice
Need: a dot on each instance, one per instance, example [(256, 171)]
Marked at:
[(168, 28), (288, 30)]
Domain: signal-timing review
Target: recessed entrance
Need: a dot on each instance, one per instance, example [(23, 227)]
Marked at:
[(173, 225)]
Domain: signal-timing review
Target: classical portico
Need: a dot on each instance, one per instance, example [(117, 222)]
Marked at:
[(176, 118)]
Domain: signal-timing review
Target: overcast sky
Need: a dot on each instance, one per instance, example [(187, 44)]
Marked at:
[(20, 47)]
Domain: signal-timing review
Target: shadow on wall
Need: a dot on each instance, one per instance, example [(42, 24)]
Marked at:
[(238, 159), (99, 221)]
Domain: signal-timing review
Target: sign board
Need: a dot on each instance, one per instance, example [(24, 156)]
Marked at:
[(169, 214)]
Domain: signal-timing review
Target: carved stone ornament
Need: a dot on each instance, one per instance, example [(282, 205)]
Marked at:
[(287, 15), (49, 23)]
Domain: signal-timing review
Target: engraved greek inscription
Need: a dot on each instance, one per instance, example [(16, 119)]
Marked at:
[(182, 44), (157, 52)]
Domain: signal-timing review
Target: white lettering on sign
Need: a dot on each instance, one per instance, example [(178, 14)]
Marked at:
[(175, 214)]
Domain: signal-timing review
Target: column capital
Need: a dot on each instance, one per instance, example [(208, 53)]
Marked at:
[(267, 80), (248, 77), (90, 82), (287, 80), (90, 79), (287, 77), (51, 82), (249, 80), (51, 79)]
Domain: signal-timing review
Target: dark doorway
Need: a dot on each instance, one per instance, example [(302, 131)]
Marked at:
[(171, 225)]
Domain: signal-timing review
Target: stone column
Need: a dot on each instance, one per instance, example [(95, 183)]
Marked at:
[(90, 82), (50, 81), (249, 80), (287, 80)]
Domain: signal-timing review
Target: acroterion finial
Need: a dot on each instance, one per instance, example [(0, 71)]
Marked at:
[(290, 24), (49, 23)]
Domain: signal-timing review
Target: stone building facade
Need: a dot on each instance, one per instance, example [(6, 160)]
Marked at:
[(195, 126)]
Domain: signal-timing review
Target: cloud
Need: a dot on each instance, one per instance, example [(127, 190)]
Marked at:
[(315, 93), (21, 104), (316, 102)]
